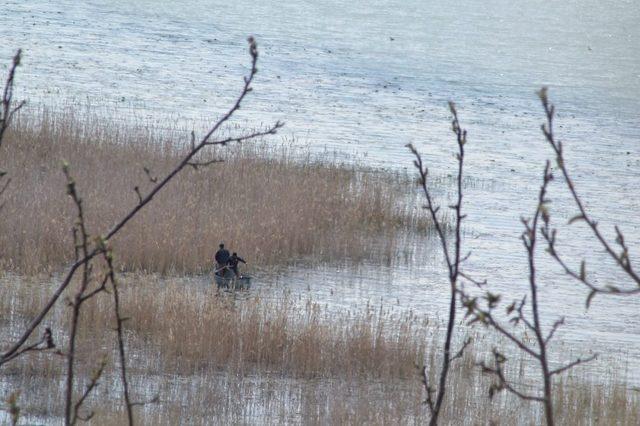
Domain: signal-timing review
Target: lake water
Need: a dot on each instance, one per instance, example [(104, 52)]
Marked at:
[(364, 79)]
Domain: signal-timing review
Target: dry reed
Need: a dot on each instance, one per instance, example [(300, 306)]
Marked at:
[(271, 204), (197, 329), (246, 359)]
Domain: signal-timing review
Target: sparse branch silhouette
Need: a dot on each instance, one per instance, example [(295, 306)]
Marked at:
[(90, 247), (7, 112), (8, 109), (453, 261), (482, 309), (621, 256)]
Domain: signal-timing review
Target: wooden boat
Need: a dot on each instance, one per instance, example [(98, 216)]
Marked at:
[(227, 279)]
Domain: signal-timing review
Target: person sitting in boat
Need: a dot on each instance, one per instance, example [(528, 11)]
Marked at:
[(233, 263), (222, 259)]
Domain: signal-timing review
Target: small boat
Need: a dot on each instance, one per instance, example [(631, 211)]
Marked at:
[(228, 279)]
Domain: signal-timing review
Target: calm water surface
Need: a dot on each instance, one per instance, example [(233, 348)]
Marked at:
[(366, 78)]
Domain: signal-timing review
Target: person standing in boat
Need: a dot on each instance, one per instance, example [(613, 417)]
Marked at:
[(222, 260), (233, 263)]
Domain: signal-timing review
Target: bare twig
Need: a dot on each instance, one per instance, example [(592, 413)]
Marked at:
[(197, 147), (154, 400), (460, 352), (572, 364), (474, 281), (79, 298), (486, 317), (516, 310), (87, 250), (428, 390), (452, 259), (529, 239), (120, 335), (622, 258), (152, 179), (45, 343), (8, 111), (95, 377), (503, 382), (555, 326), (196, 164)]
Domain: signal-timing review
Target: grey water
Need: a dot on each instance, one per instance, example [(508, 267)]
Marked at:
[(366, 78)]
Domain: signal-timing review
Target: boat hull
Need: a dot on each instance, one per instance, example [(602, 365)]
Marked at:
[(231, 281)]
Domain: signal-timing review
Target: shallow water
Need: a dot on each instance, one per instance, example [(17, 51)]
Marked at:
[(366, 78)]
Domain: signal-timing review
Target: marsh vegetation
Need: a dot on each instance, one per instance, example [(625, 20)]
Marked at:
[(212, 357), (274, 203), (182, 351)]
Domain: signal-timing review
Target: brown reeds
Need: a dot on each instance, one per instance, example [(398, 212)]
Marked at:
[(195, 329), (272, 205), (251, 359)]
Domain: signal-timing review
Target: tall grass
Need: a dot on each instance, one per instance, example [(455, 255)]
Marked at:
[(271, 204), (251, 360), (292, 337)]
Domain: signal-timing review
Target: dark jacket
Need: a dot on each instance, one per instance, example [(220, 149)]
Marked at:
[(222, 257), (233, 261)]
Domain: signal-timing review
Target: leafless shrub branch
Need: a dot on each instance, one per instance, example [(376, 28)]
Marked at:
[(482, 310), (572, 364), (452, 258), (503, 383), (460, 352), (45, 343), (120, 335), (87, 250), (82, 245), (205, 141), (95, 378), (8, 111), (428, 390), (620, 257)]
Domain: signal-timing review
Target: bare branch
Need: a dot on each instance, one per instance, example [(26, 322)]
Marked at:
[(45, 343), (428, 390), (205, 141), (486, 318), (453, 260), (102, 287), (95, 377), (477, 283), (621, 259), (573, 364), (196, 164), (460, 352), (503, 383), (7, 111), (120, 335), (79, 299), (555, 326), (154, 400)]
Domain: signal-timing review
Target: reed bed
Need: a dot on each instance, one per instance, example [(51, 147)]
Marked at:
[(273, 204), (244, 358), (292, 337)]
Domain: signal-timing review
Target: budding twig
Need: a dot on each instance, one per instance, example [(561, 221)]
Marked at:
[(453, 260)]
